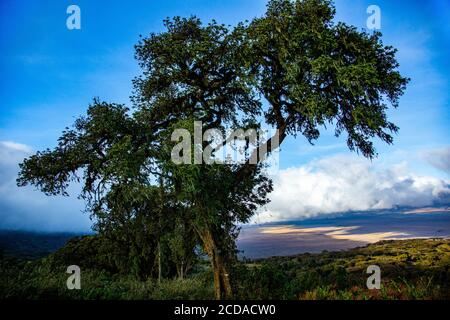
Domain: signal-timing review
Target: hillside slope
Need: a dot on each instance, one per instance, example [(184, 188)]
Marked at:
[(410, 269)]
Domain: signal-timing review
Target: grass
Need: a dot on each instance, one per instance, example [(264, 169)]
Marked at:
[(410, 269)]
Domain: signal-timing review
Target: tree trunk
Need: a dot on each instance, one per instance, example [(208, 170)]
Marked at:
[(222, 286), (181, 270), (224, 278), (161, 194), (159, 263)]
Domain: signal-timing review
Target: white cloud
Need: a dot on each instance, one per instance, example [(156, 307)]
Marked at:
[(11, 153), (348, 183), (29, 209), (439, 158), (329, 185), (13, 146)]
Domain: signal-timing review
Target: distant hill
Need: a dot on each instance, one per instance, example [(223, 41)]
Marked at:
[(31, 245)]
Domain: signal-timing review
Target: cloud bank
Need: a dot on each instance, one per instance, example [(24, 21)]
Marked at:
[(334, 184), (348, 183), (439, 158), (29, 209)]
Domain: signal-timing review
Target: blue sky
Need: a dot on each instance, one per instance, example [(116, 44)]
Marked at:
[(50, 74)]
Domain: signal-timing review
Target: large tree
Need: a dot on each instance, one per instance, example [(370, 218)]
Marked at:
[(293, 67)]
